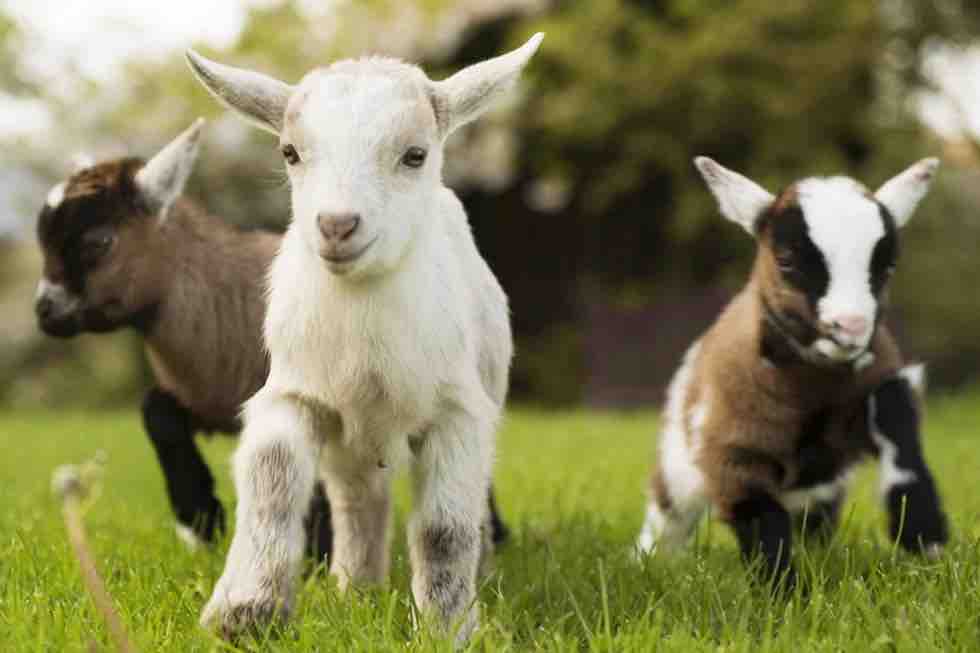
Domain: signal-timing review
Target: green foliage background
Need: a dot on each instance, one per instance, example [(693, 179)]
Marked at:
[(592, 197)]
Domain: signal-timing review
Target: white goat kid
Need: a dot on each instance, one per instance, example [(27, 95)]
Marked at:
[(388, 333)]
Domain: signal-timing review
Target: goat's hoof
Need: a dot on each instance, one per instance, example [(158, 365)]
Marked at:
[(189, 538), (231, 617), (933, 551)]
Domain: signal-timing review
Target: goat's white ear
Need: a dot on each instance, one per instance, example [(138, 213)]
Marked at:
[(903, 192), (471, 91), (161, 180), (739, 198), (260, 99)]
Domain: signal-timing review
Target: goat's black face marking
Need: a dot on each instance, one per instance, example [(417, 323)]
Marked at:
[(802, 264), (79, 230), (885, 254), (97, 200)]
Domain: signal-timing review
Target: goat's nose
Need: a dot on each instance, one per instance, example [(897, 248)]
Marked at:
[(853, 326), (43, 307), (338, 227)]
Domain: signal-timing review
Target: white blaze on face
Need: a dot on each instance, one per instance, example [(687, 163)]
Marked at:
[(61, 299), (845, 225)]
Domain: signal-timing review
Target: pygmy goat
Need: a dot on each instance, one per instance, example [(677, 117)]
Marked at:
[(389, 337), (122, 248), (798, 379)]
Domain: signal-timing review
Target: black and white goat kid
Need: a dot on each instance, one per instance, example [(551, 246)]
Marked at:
[(798, 379)]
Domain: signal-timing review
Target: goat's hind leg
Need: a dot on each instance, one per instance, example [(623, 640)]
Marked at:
[(916, 517), (359, 493), (672, 513), (319, 527), (190, 485), (275, 469)]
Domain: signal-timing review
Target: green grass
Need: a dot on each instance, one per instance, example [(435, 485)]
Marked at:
[(572, 486)]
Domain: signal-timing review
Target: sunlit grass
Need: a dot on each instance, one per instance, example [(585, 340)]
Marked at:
[(571, 485)]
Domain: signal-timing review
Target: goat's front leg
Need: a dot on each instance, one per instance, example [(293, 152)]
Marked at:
[(452, 478), (190, 485), (359, 493), (764, 528), (274, 469), (916, 517)]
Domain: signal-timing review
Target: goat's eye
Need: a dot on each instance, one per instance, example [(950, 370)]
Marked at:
[(290, 154), (96, 246), (414, 157), (785, 263)]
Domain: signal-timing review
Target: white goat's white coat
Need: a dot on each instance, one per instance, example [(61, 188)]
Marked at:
[(392, 344)]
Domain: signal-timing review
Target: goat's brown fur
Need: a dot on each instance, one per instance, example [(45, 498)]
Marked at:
[(202, 280), (751, 437), (759, 424)]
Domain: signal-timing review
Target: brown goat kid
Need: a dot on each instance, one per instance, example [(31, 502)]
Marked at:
[(121, 249), (798, 380)]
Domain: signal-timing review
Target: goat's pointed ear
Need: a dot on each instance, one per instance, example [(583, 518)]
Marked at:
[(903, 192), (740, 199), (161, 180), (467, 94), (258, 98)]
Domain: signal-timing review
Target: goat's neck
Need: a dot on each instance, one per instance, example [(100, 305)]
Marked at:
[(781, 371), (211, 269)]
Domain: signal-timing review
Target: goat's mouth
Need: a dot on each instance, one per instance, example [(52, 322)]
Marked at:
[(337, 259), (832, 352)]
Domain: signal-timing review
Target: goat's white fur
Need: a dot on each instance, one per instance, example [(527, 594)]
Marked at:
[(844, 224), (403, 351), (56, 195), (678, 453), (903, 192), (890, 474), (740, 199), (163, 177)]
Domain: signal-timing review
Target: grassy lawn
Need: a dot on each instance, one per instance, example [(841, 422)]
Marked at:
[(571, 485)]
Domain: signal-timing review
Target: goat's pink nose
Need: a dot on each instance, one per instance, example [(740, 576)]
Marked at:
[(338, 227), (854, 326)]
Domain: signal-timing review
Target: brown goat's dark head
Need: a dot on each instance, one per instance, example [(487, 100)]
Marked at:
[(826, 250), (99, 233)]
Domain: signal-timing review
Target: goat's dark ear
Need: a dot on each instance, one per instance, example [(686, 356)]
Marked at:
[(471, 91), (162, 179), (740, 199), (903, 192), (258, 98)]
